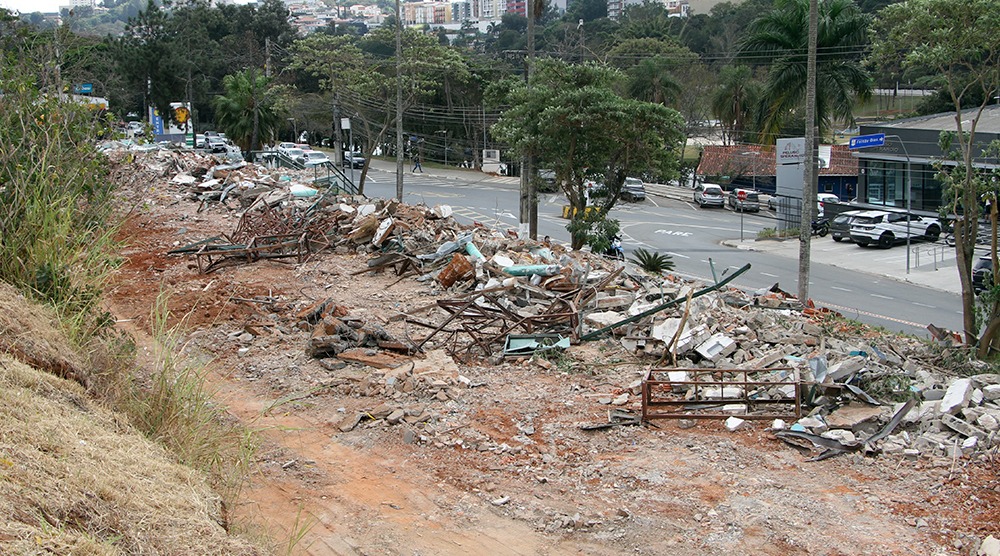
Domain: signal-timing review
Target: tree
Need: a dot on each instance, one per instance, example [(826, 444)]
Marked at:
[(247, 109), (734, 102), (958, 41), (573, 121), (780, 38)]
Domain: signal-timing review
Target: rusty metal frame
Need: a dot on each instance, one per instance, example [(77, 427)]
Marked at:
[(666, 399), (212, 256)]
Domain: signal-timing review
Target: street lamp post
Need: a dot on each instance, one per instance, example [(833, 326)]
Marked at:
[(909, 184)]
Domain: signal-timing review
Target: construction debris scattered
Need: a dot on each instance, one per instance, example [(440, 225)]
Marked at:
[(733, 355)]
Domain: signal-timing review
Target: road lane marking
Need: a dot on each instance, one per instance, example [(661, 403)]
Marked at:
[(770, 275), (672, 254), (881, 296), (924, 305), (839, 288)]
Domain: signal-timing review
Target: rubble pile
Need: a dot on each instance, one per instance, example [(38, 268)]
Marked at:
[(712, 351)]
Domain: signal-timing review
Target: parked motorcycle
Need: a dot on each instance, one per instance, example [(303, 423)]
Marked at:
[(615, 250), (820, 227)]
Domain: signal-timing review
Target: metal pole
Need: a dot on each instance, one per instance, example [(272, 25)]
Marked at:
[(909, 185)]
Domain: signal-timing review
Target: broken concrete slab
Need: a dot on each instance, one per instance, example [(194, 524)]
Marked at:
[(961, 427), (716, 347), (957, 396), (851, 416), (734, 424)]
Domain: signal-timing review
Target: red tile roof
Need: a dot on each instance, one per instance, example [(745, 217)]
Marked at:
[(746, 160)]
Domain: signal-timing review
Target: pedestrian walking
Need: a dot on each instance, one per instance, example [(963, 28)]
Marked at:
[(416, 164)]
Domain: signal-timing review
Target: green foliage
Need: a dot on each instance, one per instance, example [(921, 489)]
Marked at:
[(248, 110), (890, 387), (735, 101), (651, 261), (55, 239), (780, 38), (594, 229), (767, 233), (572, 120)]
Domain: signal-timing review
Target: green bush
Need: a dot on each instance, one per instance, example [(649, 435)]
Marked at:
[(652, 262), (55, 237)]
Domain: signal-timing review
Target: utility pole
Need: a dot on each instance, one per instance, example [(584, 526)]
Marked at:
[(811, 177), (399, 103), (529, 167), (338, 153)]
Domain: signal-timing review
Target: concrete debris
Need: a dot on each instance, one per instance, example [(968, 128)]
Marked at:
[(488, 285), (734, 424)]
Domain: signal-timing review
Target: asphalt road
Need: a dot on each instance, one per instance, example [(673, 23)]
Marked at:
[(695, 238)]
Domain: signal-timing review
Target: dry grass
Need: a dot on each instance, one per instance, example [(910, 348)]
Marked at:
[(76, 478)]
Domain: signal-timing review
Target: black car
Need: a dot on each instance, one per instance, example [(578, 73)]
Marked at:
[(982, 274), (353, 159), (840, 226)]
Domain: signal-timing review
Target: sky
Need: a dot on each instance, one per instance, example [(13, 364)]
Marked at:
[(29, 6)]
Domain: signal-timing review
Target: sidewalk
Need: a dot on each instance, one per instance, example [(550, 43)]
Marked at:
[(931, 264)]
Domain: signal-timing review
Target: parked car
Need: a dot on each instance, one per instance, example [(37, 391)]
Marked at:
[(824, 198), (749, 203), (294, 154), (547, 181), (982, 274), (282, 147), (840, 226), (709, 194), (886, 228), (313, 158), (633, 190), (216, 145), (353, 159)]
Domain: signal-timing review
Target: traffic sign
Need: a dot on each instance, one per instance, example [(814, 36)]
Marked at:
[(865, 141), (741, 195)]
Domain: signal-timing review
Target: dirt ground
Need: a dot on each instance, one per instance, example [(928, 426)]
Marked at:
[(495, 462)]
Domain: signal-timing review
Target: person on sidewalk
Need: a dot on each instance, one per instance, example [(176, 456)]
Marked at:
[(416, 164)]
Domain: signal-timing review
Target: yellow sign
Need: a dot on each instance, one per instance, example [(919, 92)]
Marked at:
[(181, 114)]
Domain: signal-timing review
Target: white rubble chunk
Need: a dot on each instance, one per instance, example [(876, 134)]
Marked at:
[(957, 396), (734, 424), (716, 347)]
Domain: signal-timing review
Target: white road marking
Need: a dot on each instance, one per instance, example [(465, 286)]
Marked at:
[(881, 296), (770, 275), (672, 254), (839, 288), (924, 305)]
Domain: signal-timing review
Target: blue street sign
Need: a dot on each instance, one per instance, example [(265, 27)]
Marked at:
[(865, 141), (84, 88)]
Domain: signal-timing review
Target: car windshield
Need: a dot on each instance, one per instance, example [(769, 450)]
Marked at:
[(713, 191), (633, 181), (294, 152)]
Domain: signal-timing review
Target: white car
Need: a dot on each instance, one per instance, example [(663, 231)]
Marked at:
[(886, 228), (294, 154), (313, 158), (824, 198), (282, 148)]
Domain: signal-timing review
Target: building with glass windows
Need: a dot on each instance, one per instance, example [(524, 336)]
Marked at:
[(883, 179)]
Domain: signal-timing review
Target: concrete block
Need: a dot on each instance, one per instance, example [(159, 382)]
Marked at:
[(723, 392), (991, 392), (779, 425), (989, 547), (933, 394), (716, 347), (815, 424), (961, 427), (841, 370), (851, 416), (840, 435), (734, 424), (988, 423), (957, 396), (977, 397), (969, 445)]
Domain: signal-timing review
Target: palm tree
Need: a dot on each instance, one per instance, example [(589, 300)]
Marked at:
[(247, 110), (780, 38), (651, 80), (734, 101)]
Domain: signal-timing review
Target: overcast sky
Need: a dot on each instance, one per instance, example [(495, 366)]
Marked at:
[(29, 6)]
